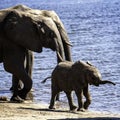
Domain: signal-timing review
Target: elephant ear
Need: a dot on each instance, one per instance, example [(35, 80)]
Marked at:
[(65, 39), (33, 31), (88, 77), (21, 29), (93, 75), (58, 23), (79, 69), (62, 32)]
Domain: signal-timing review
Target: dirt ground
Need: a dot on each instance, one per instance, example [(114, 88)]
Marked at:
[(35, 111)]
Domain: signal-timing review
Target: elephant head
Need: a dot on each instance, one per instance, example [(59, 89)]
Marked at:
[(91, 73), (94, 76), (35, 29)]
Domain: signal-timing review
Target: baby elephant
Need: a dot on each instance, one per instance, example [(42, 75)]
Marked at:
[(69, 76)]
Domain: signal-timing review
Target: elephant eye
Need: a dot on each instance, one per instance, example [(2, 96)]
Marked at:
[(51, 34)]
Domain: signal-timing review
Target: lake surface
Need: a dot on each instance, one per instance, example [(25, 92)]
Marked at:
[(93, 27)]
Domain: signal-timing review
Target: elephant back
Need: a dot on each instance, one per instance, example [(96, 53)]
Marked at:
[(5, 12), (63, 67), (80, 65), (62, 71), (66, 65)]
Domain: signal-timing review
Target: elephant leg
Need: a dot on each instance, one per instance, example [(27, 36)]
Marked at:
[(13, 61), (79, 98), (13, 83), (27, 81), (28, 63), (70, 100), (87, 96), (20, 73), (58, 97), (28, 67), (15, 87), (53, 97)]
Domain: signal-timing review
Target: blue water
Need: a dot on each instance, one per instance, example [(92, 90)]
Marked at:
[(93, 27)]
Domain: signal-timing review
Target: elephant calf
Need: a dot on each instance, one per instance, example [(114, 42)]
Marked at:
[(69, 76)]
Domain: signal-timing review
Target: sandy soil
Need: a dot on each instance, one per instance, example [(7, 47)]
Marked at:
[(35, 111)]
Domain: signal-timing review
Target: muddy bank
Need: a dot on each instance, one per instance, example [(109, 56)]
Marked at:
[(34, 111)]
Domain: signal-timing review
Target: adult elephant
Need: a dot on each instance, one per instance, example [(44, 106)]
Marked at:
[(22, 29)]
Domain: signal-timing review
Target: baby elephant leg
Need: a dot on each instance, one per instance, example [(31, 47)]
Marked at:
[(88, 98), (70, 100), (53, 97), (79, 97)]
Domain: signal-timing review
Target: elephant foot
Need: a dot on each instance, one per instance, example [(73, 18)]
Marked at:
[(51, 107), (73, 108), (22, 94), (81, 109), (16, 99), (85, 108), (86, 104)]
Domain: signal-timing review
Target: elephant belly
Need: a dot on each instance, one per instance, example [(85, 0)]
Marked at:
[(64, 85), (13, 56)]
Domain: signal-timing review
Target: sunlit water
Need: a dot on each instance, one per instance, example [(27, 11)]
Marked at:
[(93, 27)]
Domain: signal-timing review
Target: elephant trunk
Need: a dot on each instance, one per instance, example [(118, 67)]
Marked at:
[(59, 50), (59, 57), (66, 44), (67, 52), (65, 40), (106, 81)]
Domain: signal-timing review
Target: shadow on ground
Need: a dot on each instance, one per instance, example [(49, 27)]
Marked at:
[(96, 118), (73, 112)]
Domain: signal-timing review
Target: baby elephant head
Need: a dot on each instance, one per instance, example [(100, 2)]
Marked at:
[(93, 76)]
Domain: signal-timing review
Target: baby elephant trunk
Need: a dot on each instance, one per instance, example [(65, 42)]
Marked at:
[(106, 81)]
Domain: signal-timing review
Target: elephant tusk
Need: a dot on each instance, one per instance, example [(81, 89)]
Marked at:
[(59, 56), (68, 43)]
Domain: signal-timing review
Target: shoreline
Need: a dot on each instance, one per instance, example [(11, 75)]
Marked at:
[(38, 111)]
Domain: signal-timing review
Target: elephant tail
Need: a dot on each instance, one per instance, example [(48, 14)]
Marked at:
[(45, 79)]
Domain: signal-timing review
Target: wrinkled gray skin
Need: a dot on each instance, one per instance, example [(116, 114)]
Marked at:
[(22, 29), (69, 76), (13, 58), (16, 83), (28, 64)]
